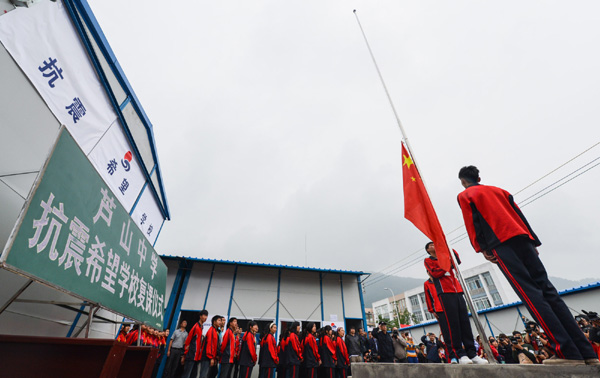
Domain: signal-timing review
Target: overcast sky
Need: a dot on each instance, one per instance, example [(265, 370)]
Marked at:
[(272, 126)]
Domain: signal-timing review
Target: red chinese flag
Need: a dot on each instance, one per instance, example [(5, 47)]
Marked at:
[(419, 210)]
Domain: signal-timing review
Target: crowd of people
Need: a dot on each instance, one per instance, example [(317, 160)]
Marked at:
[(224, 349)]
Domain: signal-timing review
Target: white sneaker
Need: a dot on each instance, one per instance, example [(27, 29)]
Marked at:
[(465, 360), (479, 361)]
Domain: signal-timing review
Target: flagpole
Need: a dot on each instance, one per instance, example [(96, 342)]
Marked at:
[(469, 301)]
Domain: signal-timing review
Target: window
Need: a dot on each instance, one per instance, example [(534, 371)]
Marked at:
[(481, 303), (497, 299), (428, 315), (474, 283), (489, 281), (402, 305), (414, 302), (422, 296), (419, 316)]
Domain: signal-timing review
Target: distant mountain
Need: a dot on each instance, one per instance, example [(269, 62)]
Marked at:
[(375, 286), (564, 284)]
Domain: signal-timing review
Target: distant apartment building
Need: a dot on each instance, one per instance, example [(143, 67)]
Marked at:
[(389, 308), (370, 318), (486, 285)]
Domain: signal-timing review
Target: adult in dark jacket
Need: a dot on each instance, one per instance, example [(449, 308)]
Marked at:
[(384, 343), (432, 344), (353, 344)]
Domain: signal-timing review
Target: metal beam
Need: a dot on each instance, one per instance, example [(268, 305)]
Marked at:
[(277, 311), (321, 284), (15, 296), (232, 290)]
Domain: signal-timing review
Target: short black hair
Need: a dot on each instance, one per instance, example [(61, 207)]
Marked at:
[(203, 312), (231, 320), (427, 245), (469, 173)]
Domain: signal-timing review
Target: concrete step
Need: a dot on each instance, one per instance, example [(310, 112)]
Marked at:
[(379, 370)]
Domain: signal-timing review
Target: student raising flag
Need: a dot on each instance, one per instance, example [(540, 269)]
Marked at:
[(419, 210)]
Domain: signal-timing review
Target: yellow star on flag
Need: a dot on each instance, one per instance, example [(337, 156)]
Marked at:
[(414, 179), (407, 161)]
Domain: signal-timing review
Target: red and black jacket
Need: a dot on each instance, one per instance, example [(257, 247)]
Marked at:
[(343, 360), (122, 337), (268, 352), (492, 217), (210, 345), (328, 355), (238, 346), (192, 346), (132, 337), (310, 351), (445, 282), (228, 347), (431, 297), (281, 351), (248, 351), (293, 350)]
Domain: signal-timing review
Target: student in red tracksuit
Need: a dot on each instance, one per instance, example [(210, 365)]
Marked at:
[(293, 351), (328, 355), (238, 346), (132, 337), (343, 360), (228, 349), (268, 352), (122, 337), (455, 316), (310, 350), (248, 355), (192, 347), (209, 366), (282, 365), (498, 229)]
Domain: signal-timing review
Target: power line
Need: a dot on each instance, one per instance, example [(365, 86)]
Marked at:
[(557, 168)]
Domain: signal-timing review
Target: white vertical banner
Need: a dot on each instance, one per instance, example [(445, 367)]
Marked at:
[(114, 160), (147, 215), (46, 46)]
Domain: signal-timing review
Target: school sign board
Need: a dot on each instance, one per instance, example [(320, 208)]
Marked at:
[(73, 234)]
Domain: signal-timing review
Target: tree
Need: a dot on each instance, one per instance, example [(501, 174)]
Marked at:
[(407, 318)]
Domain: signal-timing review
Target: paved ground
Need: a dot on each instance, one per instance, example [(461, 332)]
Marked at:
[(362, 370)]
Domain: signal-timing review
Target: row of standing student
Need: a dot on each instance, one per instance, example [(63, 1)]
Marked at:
[(312, 354)]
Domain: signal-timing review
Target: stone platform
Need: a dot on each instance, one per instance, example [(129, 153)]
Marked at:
[(370, 370)]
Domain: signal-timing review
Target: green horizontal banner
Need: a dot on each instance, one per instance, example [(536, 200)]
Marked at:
[(76, 236)]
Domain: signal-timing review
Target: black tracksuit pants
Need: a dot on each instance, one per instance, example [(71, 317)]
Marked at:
[(226, 370), (245, 371), (520, 263), (455, 325)]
